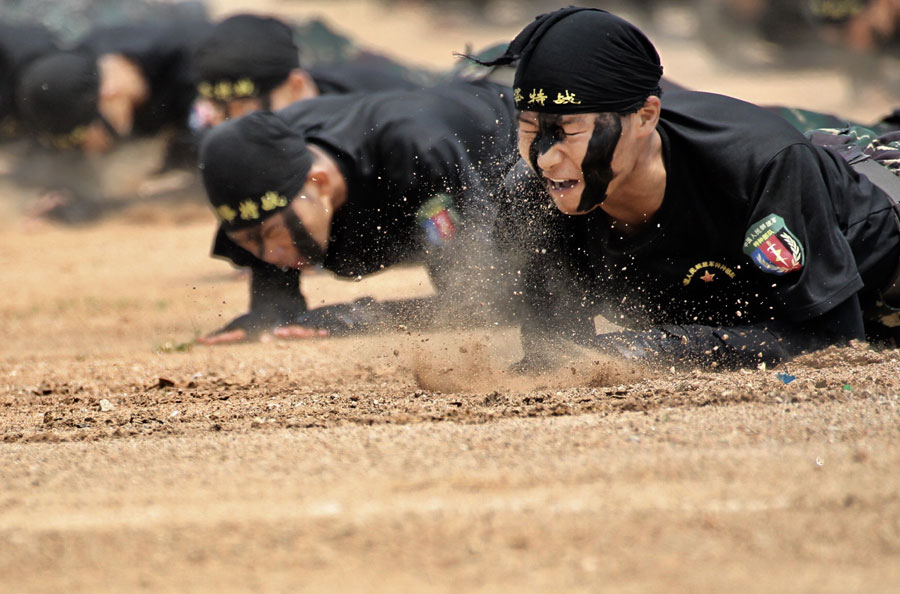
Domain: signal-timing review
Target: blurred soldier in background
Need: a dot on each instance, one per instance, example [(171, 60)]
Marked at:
[(118, 81), (251, 62)]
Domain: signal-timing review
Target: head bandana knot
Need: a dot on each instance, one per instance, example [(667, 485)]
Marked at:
[(580, 60)]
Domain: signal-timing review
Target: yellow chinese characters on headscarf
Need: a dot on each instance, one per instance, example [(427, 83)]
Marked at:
[(537, 96), (226, 213), (205, 90), (225, 90), (568, 98), (273, 200), (249, 210), (244, 88)]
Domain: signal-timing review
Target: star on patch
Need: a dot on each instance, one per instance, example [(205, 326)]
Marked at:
[(708, 277)]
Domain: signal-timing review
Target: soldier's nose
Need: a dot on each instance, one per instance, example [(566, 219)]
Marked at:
[(549, 157)]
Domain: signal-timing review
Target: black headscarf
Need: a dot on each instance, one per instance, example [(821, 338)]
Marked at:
[(58, 93), (578, 60), (245, 56), (19, 45), (252, 168)]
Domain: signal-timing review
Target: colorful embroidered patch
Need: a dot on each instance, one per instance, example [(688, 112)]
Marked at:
[(439, 219), (772, 246)]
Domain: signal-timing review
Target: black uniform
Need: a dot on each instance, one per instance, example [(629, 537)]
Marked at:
[(418, 165), (760, 234), (354, 78), (19, 44), (164, 53)]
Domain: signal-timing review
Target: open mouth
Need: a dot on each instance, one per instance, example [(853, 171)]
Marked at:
[(561, 184)]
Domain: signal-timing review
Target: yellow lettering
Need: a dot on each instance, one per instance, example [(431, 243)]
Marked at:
[(226, 213), (537, 97), (273, 200), (249, 210)]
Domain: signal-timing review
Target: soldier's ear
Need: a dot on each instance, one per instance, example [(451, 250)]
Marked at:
[(648, 114), (301, 85), (319, 179)]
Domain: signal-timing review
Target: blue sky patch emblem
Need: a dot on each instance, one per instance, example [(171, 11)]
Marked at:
[(772, 246)]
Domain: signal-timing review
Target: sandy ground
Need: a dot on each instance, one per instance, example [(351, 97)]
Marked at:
[(132, 460)]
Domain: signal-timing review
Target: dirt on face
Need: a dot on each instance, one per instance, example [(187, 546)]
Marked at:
[(133, 459)]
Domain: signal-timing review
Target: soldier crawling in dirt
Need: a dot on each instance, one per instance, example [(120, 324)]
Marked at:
[(711, 229), (354, 183)]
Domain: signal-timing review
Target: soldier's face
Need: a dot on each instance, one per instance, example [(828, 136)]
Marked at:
[(276, 240), (573, 154)]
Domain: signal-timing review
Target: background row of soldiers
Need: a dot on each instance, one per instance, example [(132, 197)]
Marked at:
[(164, 50), (152, 69)]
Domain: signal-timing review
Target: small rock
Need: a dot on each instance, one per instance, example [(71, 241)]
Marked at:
[(105, 405)]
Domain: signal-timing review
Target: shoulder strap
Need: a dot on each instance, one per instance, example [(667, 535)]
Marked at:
[(880, 176)]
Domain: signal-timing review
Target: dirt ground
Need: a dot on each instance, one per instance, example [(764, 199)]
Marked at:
[(133, 460)]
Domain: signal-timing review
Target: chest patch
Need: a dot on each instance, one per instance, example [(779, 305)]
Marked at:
[(708, 272), (772, 246), (439, 219)]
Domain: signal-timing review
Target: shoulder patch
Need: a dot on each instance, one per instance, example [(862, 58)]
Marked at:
[(439, 219), (772, 246)]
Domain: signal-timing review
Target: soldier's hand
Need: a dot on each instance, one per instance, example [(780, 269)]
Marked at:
[(246, 327), (334, 320), (300, 332), (330, 320), (223, 337)]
